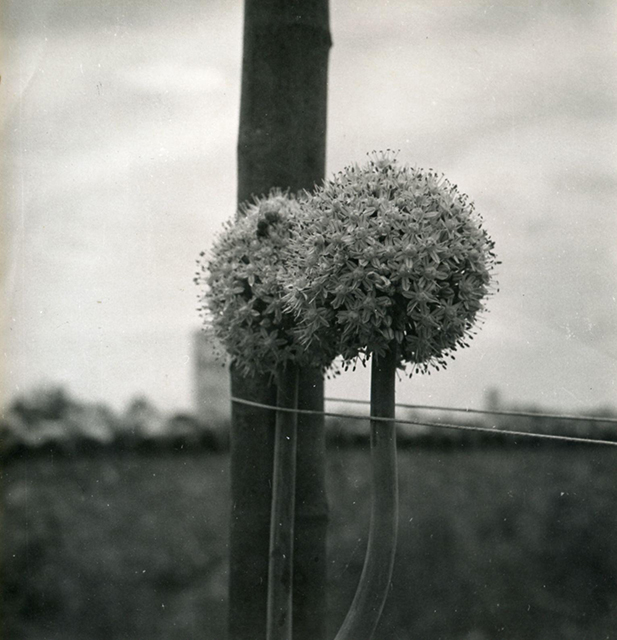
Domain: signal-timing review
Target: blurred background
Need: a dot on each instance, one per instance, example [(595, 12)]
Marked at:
[(119, 127), (119, 133)]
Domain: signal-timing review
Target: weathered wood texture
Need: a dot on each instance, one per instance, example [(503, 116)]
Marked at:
[(281, 144)]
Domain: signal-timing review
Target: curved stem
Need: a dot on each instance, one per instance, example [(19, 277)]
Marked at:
[(368, 603), (280, 568)]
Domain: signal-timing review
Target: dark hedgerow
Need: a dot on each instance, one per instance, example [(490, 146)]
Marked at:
[(390, 254), (243, 277)]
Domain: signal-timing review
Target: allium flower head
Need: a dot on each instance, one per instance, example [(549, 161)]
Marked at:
[(243, 298), (390, 257)]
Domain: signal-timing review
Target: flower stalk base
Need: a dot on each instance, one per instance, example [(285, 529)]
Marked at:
[(365, 611)]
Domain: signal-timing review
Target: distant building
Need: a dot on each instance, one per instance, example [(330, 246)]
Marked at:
[(493, 400), (212, 396)]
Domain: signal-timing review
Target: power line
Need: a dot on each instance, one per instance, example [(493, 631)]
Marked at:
[(439, 425), (516, 414)]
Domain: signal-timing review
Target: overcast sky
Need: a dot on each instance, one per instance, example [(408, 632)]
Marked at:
[(119, 126)]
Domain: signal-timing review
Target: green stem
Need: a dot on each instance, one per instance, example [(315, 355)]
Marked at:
[(368, 603), (280, 568)]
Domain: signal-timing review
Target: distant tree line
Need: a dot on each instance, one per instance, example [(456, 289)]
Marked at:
[(353, 430), (49, 417)]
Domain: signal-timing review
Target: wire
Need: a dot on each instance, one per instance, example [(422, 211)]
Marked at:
[(517, 414), (440, 425)]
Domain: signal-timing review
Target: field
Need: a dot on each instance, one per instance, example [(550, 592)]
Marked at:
[(513, 543)]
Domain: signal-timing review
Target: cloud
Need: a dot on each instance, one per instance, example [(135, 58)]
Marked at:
[(533, 364), (164, 77), (122, 152)]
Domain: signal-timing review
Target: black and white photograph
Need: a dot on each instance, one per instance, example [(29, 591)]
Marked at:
[(309, 320)]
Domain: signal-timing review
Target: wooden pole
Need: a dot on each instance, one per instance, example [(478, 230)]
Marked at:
[(281, 144)]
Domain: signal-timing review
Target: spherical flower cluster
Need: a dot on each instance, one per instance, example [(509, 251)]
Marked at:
[(244, 287), (390, 257)]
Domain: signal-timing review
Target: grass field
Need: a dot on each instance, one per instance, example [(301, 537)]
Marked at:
[(494, 543)]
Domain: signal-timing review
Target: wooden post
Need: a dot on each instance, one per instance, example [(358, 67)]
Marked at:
[(281, 144)]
